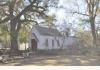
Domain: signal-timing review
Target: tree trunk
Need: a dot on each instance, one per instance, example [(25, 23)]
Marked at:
[(14, 44), (14, 40), (93, 31)]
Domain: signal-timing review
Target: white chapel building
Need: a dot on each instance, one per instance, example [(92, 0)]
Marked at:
[(44, 38)]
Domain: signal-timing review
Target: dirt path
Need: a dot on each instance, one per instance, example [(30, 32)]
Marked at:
[(58, 60)]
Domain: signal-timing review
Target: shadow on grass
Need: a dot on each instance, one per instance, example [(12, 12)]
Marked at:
[(58, 61)]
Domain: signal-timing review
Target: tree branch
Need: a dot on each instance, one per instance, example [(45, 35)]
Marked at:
[(97, 6), (26, 20), (23, 21), (4, 20), (5, 4), (80, 13), (26, 9)]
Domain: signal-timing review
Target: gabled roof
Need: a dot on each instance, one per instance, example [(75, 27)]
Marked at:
[(35, 37), (47, 31)]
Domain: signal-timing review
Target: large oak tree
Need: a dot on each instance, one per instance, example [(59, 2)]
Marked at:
[(16, 12)]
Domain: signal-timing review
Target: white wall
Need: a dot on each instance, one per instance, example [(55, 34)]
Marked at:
[(70, 42), (42, 40), (23, 46)]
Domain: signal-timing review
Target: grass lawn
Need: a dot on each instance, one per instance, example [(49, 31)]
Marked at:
[(56, 60)]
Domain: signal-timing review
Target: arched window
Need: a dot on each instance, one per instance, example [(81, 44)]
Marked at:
[(46, 42), (58, 43), (52, 43)]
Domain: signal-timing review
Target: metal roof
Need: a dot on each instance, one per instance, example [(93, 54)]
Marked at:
[(47, 31)]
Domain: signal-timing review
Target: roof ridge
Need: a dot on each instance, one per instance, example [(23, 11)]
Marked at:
[(46, 31)]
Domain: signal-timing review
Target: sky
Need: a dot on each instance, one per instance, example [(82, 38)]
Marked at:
[(64, 15), (61, 11)]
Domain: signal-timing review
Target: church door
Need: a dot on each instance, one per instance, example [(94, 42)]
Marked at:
[(34, 44)]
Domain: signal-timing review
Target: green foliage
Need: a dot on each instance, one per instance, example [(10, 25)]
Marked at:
[(23, 34), (49, 21), (23, 38), (4, 33)]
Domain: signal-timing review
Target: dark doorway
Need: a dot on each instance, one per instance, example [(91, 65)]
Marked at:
[(34, 44)]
